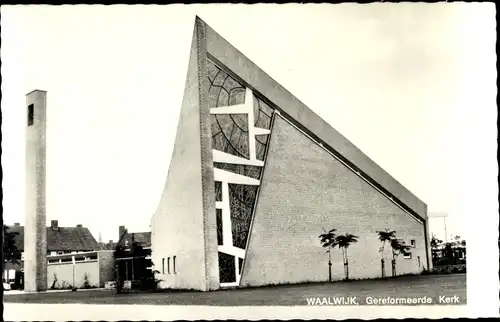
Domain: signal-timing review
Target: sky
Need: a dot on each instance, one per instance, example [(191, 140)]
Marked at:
[(412, 85)]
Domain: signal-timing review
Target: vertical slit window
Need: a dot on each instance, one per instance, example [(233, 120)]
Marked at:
[(31, 114), (173, 264), (168, 265)]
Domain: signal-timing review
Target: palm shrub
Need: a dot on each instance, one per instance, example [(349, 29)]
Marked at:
[(385, 236), (398, 248), (329, 240), (343, 241)]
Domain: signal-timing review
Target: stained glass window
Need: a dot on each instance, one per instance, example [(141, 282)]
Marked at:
[(218, 213), (224, 90), (244, 170), (241, 202), (218, 191), (227, 269), (230, 134)]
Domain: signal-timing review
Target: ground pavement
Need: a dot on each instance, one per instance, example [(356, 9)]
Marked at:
[(433, 286), (277, 302)]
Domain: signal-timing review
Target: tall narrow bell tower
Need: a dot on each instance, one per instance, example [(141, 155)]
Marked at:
[(35, 234)]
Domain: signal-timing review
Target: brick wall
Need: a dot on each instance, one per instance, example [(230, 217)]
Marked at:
[(106, 267), (305, 190)]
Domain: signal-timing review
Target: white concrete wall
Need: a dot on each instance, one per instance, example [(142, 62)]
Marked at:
[(64, 272), (35, 239), (179, 226)]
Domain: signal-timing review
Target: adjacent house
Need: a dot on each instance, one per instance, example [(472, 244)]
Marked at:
[(126, 238), (60, 241), (132, 265)]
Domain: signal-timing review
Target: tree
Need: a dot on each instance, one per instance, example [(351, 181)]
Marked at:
[(343, 241), (10, 252), (385, 236), (449, 254), (398, 248), (329, 240), (435, 244), (119, 276)]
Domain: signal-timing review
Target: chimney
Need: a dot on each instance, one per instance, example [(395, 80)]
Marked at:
[(121, 231), (16, 224), (79, 226), (54, 225)]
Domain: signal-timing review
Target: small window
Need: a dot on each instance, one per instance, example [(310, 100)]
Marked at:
[(163, 265), (53, 253), (60, 252), (31, 114), (418, 260), (168, 265), (407, 255), (173, 264), (412, 243)]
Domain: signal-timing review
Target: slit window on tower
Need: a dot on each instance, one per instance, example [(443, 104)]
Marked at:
[(31, 114)]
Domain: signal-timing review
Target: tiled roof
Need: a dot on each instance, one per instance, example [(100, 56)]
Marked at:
[(143, 238), (62, 239)]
